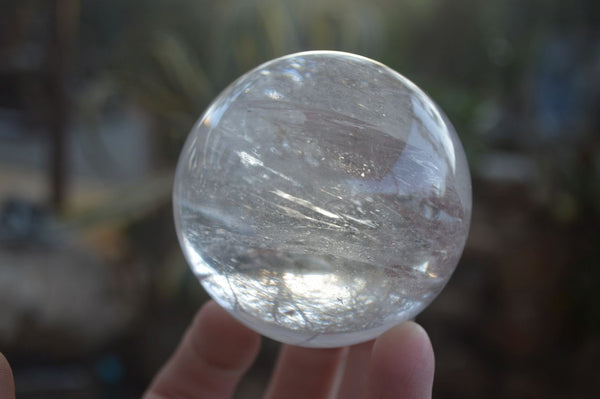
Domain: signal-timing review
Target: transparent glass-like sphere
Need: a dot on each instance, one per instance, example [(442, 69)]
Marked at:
[(322, 198)]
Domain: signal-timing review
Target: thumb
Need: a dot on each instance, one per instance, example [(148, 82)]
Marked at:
[(7, 384)]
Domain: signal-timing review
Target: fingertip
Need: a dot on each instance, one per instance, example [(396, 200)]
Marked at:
[(411, 333), (7, 385), (305, 372), (214, 354), (214, 327), (402, 364), (3, 363), (354, 378)]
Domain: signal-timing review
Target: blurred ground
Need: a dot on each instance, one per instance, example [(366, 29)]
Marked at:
[(96, 99)]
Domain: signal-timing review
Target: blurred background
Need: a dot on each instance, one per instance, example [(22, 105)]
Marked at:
[(96, 98)]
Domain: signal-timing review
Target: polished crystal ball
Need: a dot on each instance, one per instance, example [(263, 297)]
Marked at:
[(322, 199)]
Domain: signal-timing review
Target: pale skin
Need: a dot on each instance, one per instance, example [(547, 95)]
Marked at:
[(216, 351)]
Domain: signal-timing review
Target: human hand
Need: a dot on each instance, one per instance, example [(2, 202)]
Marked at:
[(216, 351)]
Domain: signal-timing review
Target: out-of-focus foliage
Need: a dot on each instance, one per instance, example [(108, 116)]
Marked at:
[(513, 76)]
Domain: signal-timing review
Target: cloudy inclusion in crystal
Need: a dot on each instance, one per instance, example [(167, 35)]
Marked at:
[(322, 198)]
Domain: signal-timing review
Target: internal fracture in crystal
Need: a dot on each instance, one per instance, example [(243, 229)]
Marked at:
[(322, 198)]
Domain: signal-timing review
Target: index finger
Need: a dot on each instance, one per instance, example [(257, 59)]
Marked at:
[(211, 359)]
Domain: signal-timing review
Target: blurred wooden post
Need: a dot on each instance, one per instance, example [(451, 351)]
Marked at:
[(65, 17)]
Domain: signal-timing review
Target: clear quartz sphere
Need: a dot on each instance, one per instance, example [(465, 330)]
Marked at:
[(322, 199)]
